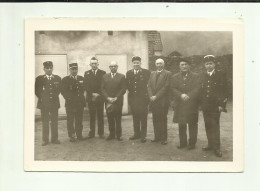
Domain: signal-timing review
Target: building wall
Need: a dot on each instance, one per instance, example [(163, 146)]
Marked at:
[(81, 46)]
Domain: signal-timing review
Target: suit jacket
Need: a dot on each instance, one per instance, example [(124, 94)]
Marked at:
[(114, 87), (185, 112), (160, 89), (92, 83), (48, 91), (73, 92), (213, 90), (137, 86)]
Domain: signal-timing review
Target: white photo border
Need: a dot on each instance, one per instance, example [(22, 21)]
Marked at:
[(235, 25)]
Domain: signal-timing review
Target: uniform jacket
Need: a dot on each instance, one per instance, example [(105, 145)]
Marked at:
[(159, 89), (213, 90), (48, 91), (92, 83), (73, 91), (114, 87), (137, 85), (185, 112)]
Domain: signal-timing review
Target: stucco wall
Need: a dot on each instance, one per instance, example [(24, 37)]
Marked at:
[(82, 45)]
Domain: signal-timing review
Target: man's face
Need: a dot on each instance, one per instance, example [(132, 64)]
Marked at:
[(113, 67), (159, 65), (210, 66), (184, 66), (94, 64), (73, 71), (48, 70), (136, 65)]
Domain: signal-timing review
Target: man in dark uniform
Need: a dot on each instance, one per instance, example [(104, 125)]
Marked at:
[(185, 90), (113, 88), (158, 90), (92, 84), (214, 98), (138, 99), (47, 89), (72, 90)]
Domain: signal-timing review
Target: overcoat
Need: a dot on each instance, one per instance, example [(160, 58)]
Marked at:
[(185, 112)]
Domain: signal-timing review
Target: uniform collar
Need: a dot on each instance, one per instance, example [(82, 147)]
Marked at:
[(48, 76), (210, 73), (73, 77), (159, 71)]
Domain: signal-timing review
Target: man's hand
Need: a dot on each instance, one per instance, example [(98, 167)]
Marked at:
[(220, 109), (95, 95), (110, 100), (153, 98), (114, 99), (185, 97)]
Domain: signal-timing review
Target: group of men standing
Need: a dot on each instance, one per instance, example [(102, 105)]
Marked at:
[(155, 89)]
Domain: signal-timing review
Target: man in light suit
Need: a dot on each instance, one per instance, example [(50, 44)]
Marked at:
[(158, 90), (92, 84), (113, 87)]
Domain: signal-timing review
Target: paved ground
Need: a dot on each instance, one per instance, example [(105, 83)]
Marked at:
[(101, 150)]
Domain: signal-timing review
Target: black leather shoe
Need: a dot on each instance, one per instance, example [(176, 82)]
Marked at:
[(206, 148), (181, 146), (45, 143), (91, 136), (110, 138), (72, 139), (164, 142), (218, 153), (134, 137), (154, 140), (56, 142), (191, 147), (143, 140)]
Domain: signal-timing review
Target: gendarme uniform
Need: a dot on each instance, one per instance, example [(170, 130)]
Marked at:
[(138, 99), (72, 90), (47, 89), (213, 95)]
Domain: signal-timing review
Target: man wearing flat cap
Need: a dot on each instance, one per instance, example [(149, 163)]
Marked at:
[(113, 88), (92, 84), (159, 94), (213, 102), (47, 90), (185, 91), (138, 99), (72, 89)]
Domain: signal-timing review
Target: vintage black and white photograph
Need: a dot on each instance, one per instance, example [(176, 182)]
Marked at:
[(127, 94)]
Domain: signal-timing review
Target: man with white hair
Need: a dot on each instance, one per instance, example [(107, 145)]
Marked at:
[(113, 88), (158, 90)]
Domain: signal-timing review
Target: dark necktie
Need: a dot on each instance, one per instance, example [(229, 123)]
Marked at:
[(157, 76)]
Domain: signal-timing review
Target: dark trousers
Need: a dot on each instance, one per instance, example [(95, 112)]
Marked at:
[(49, 115), (114, 123), (211, 120), (160, 123), (74, 117), (96, 109), (193, 132)]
